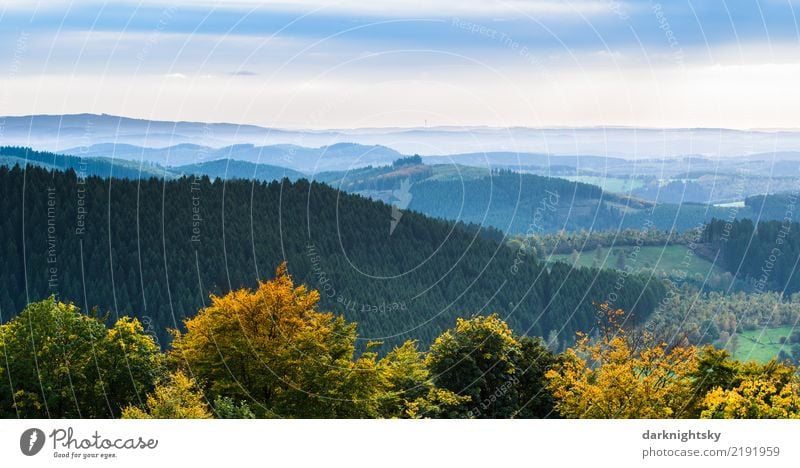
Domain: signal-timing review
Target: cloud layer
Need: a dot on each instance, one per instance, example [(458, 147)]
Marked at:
[(313, 63)]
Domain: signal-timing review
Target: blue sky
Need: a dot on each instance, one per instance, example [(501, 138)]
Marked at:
[(318, 64)]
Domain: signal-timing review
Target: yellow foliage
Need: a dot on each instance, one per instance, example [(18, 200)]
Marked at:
[(766, 392), (610, 377), (271, 346), (436, 404), (178, 398)]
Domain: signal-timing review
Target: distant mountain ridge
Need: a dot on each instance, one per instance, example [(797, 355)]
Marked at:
[(513, 202), (57, 132), (129, 169), (339, 156)]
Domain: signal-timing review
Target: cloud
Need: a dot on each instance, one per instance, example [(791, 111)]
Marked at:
[(243, 73), (733, 96), (448, 8), (606, 69), (382, 8)]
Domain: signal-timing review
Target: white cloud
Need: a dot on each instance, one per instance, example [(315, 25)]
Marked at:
[(447, 8), (413, 8), (733, 96)]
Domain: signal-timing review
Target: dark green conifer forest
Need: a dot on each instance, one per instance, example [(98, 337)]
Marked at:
[(156, 249)]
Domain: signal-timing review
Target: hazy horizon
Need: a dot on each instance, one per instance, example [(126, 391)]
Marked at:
[(73, 133), (409, 127)]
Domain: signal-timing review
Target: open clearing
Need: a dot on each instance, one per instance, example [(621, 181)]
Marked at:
[(762, 344), (673, 260), (610, 184)]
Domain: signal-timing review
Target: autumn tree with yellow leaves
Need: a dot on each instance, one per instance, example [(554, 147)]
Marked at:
[(270, 352), (752, 390), (176, 398), (617, 375), (621, 375), (273, 349)]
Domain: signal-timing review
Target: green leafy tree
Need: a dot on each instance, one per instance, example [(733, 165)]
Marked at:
[(226, 408), (60, 363), (481, 358), (535, 400), (405, 379), (713, 369), (409, 391)]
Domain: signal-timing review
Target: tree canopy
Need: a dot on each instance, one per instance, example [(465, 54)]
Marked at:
[(59, 363)]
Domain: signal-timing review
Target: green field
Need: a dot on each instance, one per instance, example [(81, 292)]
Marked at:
[(762, 344), (457, 172), (735, 204), (671, 260), (610, 184)]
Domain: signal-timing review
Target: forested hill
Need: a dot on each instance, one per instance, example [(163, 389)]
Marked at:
[(234, 169), (516, 203), (525, 203), (510, 201), (156, 249), (519, 203), (104, 167), (766, 254), (134, 168), (773, 206)]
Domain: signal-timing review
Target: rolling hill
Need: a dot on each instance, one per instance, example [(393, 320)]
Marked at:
[(339, 156), (155, 249)]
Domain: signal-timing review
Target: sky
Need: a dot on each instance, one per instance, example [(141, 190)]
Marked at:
[(384, 63)]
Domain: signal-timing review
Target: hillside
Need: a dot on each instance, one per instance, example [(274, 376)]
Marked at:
[(512, 202), (102, 167), (338, 156), (516, 203), (764, 253), (156, 249), (56, 132), (234, 169), (130, 169), (674, 262)]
